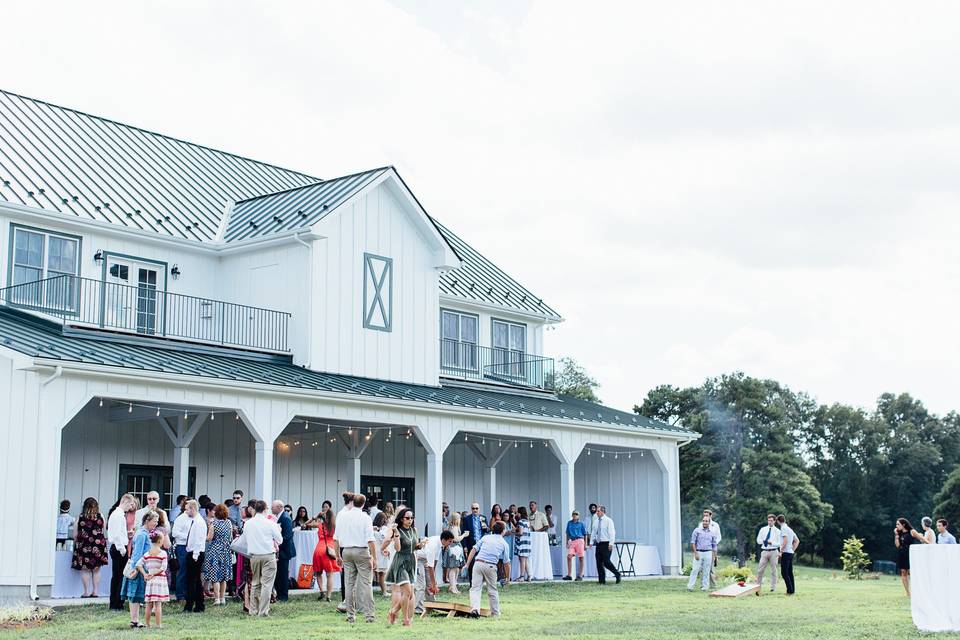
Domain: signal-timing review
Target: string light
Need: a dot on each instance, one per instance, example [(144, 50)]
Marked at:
[(350, 431), (236, 416), (130, 408), (389, 433), (158, 412), (101, 402), (212, 415), (499, 443), (483, 441), (515, 445), (328, 428), (531, 444), (466, 437), (306, 426), (184, 414)]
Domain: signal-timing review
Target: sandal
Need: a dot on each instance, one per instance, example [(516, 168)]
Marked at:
[(136, 625)]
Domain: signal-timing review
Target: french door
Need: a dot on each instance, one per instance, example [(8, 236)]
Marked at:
[(132, 295), (399, 491), (139, 480), (509, 346)]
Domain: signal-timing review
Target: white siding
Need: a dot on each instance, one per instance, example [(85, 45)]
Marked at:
[(524, 474)]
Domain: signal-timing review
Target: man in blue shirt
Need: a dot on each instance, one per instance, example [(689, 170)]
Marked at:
[(943, 535), (488, 551), (576, 546)]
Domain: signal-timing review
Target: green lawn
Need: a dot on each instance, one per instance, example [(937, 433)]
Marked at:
[(826, 606)]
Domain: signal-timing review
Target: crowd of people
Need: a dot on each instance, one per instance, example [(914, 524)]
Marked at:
[(204, 551)]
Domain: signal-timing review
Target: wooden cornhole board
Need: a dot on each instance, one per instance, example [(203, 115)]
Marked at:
[(452, 609), (735, 591)]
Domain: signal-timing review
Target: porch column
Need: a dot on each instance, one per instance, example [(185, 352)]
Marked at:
[(353, 474), (489, 487), (567, 497), (432, 507), (181, 471), (671, 455), (263, 471)]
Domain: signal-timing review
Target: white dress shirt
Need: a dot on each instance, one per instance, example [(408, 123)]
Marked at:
[(354, 529), (117, 530), (787, 535), (430, 552), (603, 530), (179, 530), (196, 537), (715, 530), (774, 542), (260, 534), (373, 513), (591, 525)]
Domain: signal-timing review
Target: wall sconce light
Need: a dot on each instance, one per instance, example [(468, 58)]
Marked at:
[(98, 256), (175, 272)]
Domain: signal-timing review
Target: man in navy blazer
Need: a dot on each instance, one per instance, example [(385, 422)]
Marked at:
[(286, 551), (476, 525)]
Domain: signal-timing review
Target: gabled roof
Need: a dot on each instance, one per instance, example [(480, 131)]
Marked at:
[(71, 162), (33, 337), (294, 208)]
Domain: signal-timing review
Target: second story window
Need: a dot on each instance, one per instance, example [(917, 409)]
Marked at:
[(43, 256), (458, 332), (509, 347)]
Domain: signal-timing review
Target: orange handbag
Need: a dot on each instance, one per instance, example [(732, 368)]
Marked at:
[(305, 576)]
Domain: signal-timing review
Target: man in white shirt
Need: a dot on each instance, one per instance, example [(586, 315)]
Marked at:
[(427, 557), (372, 502), (354, 540), (261, 535), (591, 523), (347, 506), (117, 539), (195, 542), (769, 539), (788, 546), (715, 530), (603, 535)]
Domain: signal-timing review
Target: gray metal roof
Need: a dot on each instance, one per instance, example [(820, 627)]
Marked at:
[(294, 208), (33, 337)]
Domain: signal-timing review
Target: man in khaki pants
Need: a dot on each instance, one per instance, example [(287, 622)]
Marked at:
[(487, 552), (354, 540), (769, 540), (262, 536)]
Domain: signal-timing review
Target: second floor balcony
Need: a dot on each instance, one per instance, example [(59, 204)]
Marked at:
[(147, 311), (469, 361)]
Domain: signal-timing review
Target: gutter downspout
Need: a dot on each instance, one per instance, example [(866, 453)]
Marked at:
[(34, 596), (309, 328)]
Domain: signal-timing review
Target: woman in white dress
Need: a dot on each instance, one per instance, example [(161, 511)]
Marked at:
[(381, 528)]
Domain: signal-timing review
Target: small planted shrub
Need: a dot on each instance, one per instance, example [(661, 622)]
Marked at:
[(733, 573), (855, 560)]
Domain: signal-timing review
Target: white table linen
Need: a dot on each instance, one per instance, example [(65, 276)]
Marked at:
[(539, 563), (934, 581), (66, 581), (305, 541)]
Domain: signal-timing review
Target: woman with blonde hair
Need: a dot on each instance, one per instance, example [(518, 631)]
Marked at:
[(453, 560), (119, 534)]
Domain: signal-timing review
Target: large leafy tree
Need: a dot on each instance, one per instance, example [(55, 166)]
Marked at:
[(573, 380), (947, 502)]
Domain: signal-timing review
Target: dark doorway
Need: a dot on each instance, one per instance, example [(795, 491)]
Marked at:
[(396, 490), (139, 480)]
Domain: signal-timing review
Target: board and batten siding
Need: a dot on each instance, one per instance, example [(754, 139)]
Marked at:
[(375, 223)]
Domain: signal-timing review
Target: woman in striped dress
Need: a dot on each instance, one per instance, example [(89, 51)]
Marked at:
[(521, 532)]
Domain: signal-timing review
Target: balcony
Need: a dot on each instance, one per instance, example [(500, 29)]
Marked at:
[(146, 311), (469, 361)]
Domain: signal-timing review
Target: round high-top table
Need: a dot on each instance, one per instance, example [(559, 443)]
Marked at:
[(539, 564), (305, 540)]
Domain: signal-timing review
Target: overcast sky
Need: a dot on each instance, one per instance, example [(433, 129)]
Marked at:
[(697, 191)]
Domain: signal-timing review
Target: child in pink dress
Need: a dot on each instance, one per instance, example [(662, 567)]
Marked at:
[(153, 566)]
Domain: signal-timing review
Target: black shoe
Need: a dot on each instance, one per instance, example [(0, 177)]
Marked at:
[(579, 579), (567, 578), (618, 578), (474, 614)]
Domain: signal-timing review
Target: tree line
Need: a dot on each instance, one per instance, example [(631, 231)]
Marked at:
[(834, 470)]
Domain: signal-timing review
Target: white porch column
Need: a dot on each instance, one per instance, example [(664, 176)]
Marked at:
[(353, 474), (567, 496), (181, 471), (263, 471), (671, 455), (489, 487), (433, 509)]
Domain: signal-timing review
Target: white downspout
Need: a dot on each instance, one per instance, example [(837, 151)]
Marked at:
[(34, 596), (309, 327)]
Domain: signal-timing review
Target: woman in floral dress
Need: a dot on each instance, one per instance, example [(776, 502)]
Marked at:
[(218, 563), (90, 549)]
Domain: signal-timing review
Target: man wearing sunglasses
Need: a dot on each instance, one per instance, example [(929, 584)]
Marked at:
[(476, 525), (233, 509)]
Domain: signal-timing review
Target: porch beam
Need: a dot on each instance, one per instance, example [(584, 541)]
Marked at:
[(194, 428), (170, 434)]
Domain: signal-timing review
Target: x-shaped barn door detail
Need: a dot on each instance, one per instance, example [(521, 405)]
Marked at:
[(377, 292)]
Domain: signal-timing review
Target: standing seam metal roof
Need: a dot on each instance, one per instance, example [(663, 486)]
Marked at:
[(38, 338)]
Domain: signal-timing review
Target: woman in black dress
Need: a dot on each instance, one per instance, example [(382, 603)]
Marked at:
[(903, 538)]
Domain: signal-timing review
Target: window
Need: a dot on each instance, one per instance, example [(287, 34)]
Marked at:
[(509, 348), (42, 256), (377, 292), (458, 333)]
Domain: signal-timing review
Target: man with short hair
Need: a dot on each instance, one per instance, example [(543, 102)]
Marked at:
[(427, 557), (195, 542), (788, 546), (604, 535), (353, 538), (576, 534), (591, 523), (769, 539), (489, 551), (347, 506), (538, 521), (715, 530), (153, 504), (234, 511), (286, 550), (177, 508), (551, 524), (372, 504), (476, 525), (178, 534), (261, 535), (943, 534), (703, 544)]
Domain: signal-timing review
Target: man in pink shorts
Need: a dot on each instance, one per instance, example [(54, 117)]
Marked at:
[(576, 538)]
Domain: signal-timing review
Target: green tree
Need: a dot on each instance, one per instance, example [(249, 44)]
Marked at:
[(854, 558), (947, 502), (573, 380)]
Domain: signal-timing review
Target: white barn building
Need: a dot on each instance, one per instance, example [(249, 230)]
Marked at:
[(178, 318)]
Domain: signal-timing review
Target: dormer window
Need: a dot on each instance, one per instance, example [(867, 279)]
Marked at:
[(459, 340)]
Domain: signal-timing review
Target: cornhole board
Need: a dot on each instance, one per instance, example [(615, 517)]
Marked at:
[(452, 609), (736, 591)]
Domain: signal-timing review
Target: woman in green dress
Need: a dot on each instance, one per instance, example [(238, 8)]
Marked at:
[(403, 570)]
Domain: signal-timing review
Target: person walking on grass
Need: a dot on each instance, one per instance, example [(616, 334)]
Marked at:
[(354, 538), (491, 550), (788, 546), (769, 539), (703, 543), (262, 536), (403, 569), (603, 536)]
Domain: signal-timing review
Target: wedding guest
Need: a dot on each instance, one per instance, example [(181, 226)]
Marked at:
[(205, 507), (715, 529), (355, 548), (65, 524), (591, 523), (537, 519), (373, 506), (769, 539), (389, 511), (445, 514), (944, 536), (153, 567), (521, 531), (325, 553), (576, 534), (177, 508), (403, 569), (178, 534), (301, 519), (551, 524), (153, 504), (604, 535), (788, 547), (119, 534), (262, 536), (496, 514), (384, 555), (286, 551), (90, 547), (235, 509), (902, 538), (474, 524), (928, 536), (218, 562), (134, 589), (491, 550), (195, 544), (454, 557), (244, 569), (427, 555), (703, 544), (347, 506)]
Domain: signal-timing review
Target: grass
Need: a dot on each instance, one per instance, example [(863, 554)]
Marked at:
[(826, 606)]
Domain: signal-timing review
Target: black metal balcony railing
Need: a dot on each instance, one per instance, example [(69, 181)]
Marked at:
[(490, 364), (144, 310)]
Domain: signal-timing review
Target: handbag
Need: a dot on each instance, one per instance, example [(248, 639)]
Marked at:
[(239, 546), (130, 570), (305, 576), (330, 552)]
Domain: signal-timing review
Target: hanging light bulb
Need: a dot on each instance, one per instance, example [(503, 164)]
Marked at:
[(236, 416), (350, 431), (101, 402), (184, 414), (483, 441), (314, 443), (546, 444), (158, 412), (212, 415), (306, 426), (130, 408), (601, 454), (531, 444), (296, 443), (514, 444), (389, 432), (588, 451), (629, 456), (616, 456), (328, 428), (499, 443)]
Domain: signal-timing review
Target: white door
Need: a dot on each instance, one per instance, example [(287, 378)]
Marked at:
[(132, 296)]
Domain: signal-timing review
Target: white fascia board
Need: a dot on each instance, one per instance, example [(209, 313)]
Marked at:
[(499, 309), (214, 384)]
